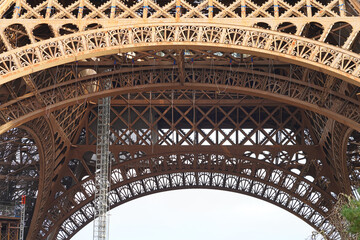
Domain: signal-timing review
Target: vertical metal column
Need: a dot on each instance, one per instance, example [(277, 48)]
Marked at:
[(22, 217), (102, 167)]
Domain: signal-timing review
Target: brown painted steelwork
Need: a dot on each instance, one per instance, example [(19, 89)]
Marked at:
[(9, 228), (267, 136), (256, 97)]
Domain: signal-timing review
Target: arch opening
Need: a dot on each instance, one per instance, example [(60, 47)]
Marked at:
[(136, 180), (17, 35), (211, 211), (124, 194), (43, 32), (339, 33), (313, 30)]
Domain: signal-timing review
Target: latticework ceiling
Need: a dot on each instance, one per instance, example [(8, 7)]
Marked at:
[(256, 97)]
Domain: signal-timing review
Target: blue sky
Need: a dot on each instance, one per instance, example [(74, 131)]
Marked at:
[(201, 214)]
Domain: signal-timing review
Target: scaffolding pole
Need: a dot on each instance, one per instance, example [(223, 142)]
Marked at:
[(22, 217), (102, 168)]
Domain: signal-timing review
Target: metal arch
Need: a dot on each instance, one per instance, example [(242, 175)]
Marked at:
[(341, 141), (41, 130), (83, 224), (70, 189), (40, 146), (315, 55), (315, 217), (151, 23), (301, 95), (51, 145)]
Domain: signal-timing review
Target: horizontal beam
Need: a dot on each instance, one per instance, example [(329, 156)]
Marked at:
[(177, 86), (190, 68), (18, 178)]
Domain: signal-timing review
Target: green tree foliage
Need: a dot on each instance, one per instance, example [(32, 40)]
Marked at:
[(351, 212), (345, 217)]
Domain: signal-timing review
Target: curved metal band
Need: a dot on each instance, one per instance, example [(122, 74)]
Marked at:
[(272, 92), (298, 50), (143, 176), (42, 132)]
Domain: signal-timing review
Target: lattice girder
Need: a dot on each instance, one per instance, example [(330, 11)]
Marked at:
[(240, 80), (207, 9), (264, 136)]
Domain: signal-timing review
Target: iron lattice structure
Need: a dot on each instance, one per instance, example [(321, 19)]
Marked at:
[(252, 96)]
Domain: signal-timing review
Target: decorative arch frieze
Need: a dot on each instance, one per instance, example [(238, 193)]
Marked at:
[(312, 54), (147, 175)]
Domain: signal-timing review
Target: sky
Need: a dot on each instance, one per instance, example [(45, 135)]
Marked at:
[(196, 214)]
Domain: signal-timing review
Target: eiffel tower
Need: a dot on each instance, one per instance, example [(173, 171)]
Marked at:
[(258, 97)]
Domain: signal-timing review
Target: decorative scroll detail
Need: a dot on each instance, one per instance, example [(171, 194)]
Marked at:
[(143, 176), (336, 61)]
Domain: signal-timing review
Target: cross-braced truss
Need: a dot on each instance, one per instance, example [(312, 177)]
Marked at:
[(185, 143), (252, 96), (196, 73)]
